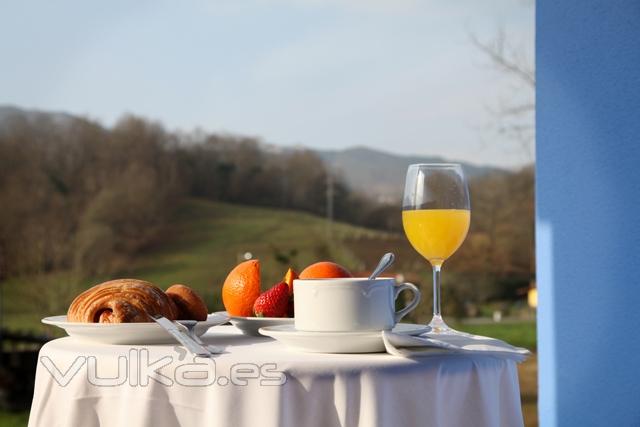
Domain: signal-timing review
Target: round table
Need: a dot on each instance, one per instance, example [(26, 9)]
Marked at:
[(260, 382)]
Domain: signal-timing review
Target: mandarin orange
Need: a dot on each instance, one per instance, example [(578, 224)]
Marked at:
[(241, 288), (289, 277), (324, 270)]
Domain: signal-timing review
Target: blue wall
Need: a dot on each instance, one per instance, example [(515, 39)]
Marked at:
[(588, 212)]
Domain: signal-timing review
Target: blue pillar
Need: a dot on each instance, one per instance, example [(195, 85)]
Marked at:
[(588, 212)]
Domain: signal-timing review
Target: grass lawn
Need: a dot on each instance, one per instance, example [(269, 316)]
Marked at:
[(13, 419), (520, 334)]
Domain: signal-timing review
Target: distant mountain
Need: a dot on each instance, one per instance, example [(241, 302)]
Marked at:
[(8, 112), (381, 174)]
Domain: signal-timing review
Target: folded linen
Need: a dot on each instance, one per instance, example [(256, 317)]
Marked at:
[(431, 345)]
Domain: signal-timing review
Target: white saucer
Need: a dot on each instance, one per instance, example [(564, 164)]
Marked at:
[(337, 342), (127, 333), (251, 325)]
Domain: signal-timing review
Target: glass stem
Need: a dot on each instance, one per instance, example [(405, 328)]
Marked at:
[(436, 290)]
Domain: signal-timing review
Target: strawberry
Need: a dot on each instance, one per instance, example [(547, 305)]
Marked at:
[(273, 302)]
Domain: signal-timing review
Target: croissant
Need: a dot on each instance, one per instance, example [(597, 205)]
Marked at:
[(121, 301)]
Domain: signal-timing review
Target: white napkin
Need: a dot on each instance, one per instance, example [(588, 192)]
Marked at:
[(425, 345)]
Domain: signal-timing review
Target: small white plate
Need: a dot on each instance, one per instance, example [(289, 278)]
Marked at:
[(127, 333), (251, 325), (337, 342)]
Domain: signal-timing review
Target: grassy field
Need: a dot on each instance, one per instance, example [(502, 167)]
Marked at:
[(205, 240), (209, 239), (521, 334), (202, 243)]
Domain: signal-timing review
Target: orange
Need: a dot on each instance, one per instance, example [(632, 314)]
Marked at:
[(289, 278), (324, 270), (241, 288)]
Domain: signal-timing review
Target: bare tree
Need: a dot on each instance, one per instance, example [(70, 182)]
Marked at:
[(515, 115)]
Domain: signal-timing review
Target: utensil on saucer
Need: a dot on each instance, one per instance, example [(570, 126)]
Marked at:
[(182, 337), (190, 325), (384, 263)]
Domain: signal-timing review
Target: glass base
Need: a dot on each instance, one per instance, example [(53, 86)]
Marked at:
[(438, 326)]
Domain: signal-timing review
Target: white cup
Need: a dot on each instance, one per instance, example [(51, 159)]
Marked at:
[(349, 304)]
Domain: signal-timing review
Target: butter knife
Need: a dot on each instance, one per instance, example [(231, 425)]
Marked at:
[(181, 336)]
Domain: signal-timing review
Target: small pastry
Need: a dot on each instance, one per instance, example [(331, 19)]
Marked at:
[(190, 305)]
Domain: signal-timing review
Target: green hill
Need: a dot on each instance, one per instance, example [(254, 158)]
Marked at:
[(208, 239), (201, 244)]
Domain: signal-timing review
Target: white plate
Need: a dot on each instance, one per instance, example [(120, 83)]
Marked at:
[(337, 342), (127, 333), (251, 325)]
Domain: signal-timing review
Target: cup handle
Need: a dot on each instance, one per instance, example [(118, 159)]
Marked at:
[(414, 302)]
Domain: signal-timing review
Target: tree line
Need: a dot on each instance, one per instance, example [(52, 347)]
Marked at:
[(77, 196)]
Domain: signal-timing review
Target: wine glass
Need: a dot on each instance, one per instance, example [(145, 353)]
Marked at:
[(435, 217)]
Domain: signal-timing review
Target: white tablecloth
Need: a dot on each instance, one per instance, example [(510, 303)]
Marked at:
[(243, 387)]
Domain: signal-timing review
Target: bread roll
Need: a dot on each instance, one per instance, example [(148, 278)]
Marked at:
[(190, 305)]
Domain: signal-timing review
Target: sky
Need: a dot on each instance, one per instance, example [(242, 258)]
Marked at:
[(401, 76)]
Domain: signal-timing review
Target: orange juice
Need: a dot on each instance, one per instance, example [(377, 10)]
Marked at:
[(436, 233)]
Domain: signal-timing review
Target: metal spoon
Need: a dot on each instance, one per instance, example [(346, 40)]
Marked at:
[(184, 339), (386, 260)]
